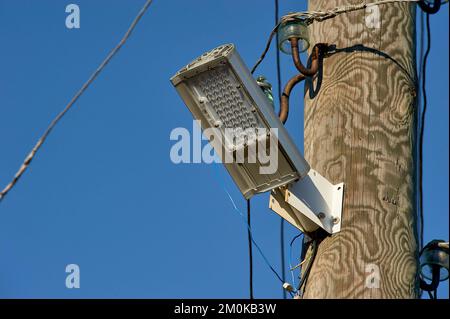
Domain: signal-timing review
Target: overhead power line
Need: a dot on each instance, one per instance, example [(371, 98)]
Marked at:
[(55, 121)]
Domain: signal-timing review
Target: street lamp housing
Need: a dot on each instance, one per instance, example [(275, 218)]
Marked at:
[(222, 94)]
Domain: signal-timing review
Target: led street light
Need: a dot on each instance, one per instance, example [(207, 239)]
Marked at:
[(220, 91), (240, 123)]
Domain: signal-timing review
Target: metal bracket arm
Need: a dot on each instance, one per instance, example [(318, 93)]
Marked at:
[(310, 203)]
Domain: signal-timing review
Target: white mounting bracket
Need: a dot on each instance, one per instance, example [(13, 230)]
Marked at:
[(310, 203)]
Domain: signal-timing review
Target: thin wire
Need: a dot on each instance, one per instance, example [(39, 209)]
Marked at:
[(238, 211), (290, 258), (55, 121), (277, 54), (266, 49), (253, 240), (250, 254), (422, 126)]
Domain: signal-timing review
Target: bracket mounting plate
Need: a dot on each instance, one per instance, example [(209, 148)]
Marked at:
[(313, 202)]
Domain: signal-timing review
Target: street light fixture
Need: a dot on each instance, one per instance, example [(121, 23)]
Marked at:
[(222, 94)]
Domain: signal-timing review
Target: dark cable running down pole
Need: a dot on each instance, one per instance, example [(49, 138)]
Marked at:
[(283, 266), (250, 253), (422, 127)]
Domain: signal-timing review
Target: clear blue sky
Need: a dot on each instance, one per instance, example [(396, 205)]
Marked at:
[(103, 192)]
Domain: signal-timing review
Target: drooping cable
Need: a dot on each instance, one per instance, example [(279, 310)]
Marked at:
[(250, 254), (266, 49), (254, 242), (238, 211), (291, 269), (55, 121)]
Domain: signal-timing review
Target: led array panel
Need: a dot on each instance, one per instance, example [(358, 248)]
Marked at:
[(220, 91), (226, 107)]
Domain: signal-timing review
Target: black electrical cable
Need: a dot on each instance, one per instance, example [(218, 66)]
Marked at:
[(418, 116), (277, 52), (428, 9), (295, 238), (250, 253), (255, 244), (290, 255), (283, 262), (422, 125), (435, 278), (252, 241)]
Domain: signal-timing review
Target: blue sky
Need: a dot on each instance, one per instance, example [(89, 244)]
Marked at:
[(103, 193)]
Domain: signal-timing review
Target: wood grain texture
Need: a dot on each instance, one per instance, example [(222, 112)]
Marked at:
[(360, 129)]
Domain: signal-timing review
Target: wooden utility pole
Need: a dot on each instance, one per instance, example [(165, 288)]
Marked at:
[(360, 129)]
